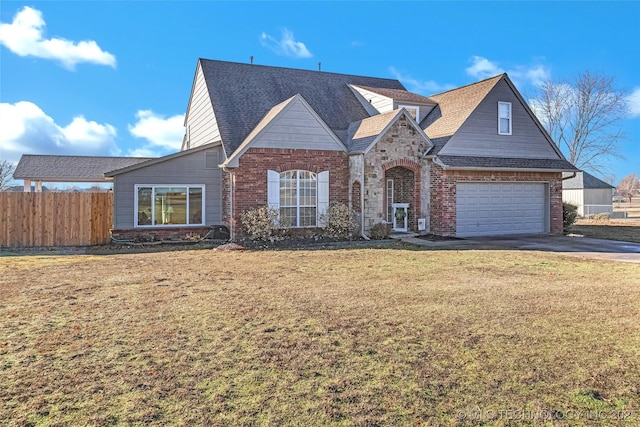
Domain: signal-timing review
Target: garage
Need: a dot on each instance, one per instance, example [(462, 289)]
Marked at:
[(485, 209)]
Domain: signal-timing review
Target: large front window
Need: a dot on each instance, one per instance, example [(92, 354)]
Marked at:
[(298, 199), (169, 205)]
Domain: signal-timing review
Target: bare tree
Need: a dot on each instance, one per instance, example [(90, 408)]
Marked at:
[(630, 185), (583, 117), (609, 178), (6, 174)]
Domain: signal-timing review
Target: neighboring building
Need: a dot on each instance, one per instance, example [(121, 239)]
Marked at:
[(467, 162), (590, 194), (37, 168)]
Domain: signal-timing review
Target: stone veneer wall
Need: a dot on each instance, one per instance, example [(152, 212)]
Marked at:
[(443, 194), (250, 187), (402, 146)]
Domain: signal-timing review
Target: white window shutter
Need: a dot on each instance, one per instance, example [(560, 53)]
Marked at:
[(323, 197), (273, 190)]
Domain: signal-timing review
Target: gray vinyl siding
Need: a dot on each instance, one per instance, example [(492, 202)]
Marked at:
[(478, 136), (381, 103), (187, 169), (202, 127), (297, 128)]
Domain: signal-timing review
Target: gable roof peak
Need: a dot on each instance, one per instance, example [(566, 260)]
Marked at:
[(495, 78), (455, 106), (364, 134)]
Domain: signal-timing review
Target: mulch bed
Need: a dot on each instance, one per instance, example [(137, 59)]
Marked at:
[(435, 238)]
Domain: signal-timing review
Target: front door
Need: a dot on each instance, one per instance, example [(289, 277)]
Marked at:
[(400, 217)]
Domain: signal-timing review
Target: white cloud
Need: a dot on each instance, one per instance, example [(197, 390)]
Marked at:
[(24, 37), (163, 135), (482, 68), (634, 102), (286, 46), (425, 87), (26, 129)]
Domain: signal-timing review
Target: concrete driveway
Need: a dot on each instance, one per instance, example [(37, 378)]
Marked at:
[(569, 245)]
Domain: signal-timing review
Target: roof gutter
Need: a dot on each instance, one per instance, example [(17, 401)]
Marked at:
[(573, 175), (438, 162)]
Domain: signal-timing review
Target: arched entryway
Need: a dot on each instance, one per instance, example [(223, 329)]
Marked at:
[(400, 190)]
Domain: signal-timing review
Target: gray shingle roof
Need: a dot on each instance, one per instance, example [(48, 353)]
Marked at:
[(438, 144), (465, 162), (52, 168), (584, 180), (242, 94)]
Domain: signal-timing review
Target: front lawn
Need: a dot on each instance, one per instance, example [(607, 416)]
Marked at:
[(623, 230), (322, 337)]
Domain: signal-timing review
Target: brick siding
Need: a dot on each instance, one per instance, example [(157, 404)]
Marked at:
[(251, 175)]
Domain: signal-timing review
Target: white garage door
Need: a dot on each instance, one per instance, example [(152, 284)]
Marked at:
[(485, 209)]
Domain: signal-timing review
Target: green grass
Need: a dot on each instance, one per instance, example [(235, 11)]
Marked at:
[(336, 337)]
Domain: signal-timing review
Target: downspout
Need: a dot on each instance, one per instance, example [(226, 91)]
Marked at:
[(362, 187), (231, 221)]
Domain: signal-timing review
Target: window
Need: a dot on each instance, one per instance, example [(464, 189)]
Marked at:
[(169, 205), (390, 200), (300, 197), (412, 110), (504, 118)]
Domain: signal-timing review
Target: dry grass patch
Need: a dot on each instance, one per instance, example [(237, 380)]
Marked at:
[(337, 337), (623, 230)]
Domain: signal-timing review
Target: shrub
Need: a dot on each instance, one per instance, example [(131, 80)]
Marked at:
[(339, 220), (259, 223), (601, 217), (569, 215), (379, 231)]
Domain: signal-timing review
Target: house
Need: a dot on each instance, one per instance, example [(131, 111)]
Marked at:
[(467, 162), (590, 194)]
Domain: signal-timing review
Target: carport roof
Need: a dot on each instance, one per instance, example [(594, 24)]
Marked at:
[(584, 180), (52, 168)]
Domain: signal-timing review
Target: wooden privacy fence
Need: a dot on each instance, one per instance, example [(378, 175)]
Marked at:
[(55, 219)]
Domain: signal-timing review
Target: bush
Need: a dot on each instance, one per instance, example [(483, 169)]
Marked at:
[(569, 215), (601, 217), (380, 231), (259, 223), (339, 221)]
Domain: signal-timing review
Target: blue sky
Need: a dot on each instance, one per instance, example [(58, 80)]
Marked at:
[(114, 77)]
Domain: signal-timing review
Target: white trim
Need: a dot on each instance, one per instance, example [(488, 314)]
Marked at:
[(322, 197), (411, 107), (510, 117), (153, 214), (389, 200)]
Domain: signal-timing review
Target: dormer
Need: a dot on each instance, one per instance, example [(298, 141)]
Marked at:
[(383, 100)]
